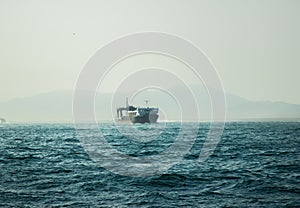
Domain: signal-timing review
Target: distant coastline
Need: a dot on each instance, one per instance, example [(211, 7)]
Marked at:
[(56, 107)]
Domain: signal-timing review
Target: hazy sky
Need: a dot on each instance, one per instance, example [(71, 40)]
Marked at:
[(255, 45)]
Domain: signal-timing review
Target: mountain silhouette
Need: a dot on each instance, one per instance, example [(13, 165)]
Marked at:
[(57, 107)]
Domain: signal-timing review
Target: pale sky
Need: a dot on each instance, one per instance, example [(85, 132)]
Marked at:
[(254, 45)]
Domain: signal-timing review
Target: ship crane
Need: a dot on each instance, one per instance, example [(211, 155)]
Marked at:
[(2, 120), (122, 109)]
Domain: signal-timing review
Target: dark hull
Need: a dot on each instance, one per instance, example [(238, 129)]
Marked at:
[(144, 119)]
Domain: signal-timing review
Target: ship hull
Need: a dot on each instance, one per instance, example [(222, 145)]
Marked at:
[(144, 119)]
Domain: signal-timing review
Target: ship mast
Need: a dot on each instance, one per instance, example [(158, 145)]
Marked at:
[(127, 105)]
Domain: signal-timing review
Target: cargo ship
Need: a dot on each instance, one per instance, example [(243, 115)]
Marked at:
[(134, 114)]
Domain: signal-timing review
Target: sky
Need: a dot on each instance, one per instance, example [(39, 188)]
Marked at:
[(254, 45)]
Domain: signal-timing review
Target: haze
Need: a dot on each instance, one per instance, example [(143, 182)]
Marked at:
[(254, 45)]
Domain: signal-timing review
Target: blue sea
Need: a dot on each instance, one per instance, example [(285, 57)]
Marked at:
[(255, 164)]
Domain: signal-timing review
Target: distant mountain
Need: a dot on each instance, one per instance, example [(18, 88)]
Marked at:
[(57, 107), (46, 107), (242, 109)]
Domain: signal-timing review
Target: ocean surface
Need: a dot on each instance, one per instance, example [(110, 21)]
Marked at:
[(255, 164)]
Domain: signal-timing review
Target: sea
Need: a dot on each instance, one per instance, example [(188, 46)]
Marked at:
[(254, 164)]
